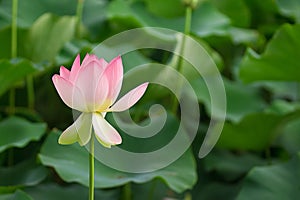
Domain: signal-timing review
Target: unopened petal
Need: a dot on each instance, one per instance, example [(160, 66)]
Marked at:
[(86, 59), (103, 62), (104, 132), (114, 73), (129, 99), (90, 58), (69, 93), (64, 72), (80, 131), (75, 69)]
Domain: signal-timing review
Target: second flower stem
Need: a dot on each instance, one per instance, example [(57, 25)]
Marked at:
[(79, 10), (14, 45), (187, 30), (14, 31), (92, 169)]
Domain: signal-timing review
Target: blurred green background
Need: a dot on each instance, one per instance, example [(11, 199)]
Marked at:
[(256, 46)]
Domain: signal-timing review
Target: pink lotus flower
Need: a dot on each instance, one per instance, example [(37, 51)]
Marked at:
[(92, 88)]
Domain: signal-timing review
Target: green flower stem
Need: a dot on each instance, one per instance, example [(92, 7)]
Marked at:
[(79, 10), (152, 190), (188, 196), (92, 170), (14, 33), (187, 30), (13, 51), (29, 80), (127, 191), (14, 44)]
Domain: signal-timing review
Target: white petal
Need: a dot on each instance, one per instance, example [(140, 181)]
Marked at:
[(104, 132), (69, 136), (80, 131), (84, 128)]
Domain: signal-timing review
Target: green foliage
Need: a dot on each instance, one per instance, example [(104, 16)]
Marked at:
[(183, 175), (73, 191), (23, 174), (279, 181), (255, 45), (238, 11), (241, 99), (9, 78), (136, 15), (279, 61), (47, 36), (289, 8), (18, 132), (167, 8), (255, 132), (18, 195)]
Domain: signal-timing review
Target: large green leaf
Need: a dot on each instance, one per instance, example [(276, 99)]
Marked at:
[(52, 191), (282, 89), (290, 8), (241, 100), (231, 166), (155, 189), (275, 182), (18, 195), (236, 10), (18, 132), (47, 36), (43, 40), (216, 190), (264, 15), (255, 131), (179, 176), (14, 71), (290, 138), (207, 20), (23, 174), (278, 62)]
